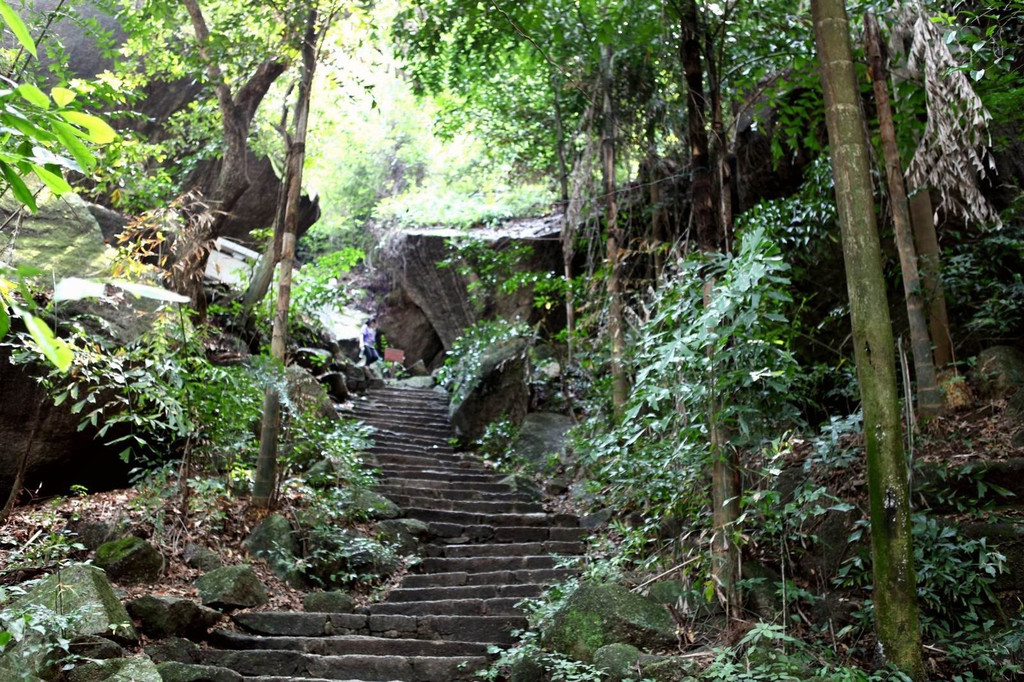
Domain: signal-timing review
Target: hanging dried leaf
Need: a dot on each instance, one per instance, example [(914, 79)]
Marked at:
[(956, 138)]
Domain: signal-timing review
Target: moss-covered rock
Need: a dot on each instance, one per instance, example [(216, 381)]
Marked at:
[(130, 561), (161, 616), (334, 601), (618, 661), (274, 541), (600, 614), (231, 587), (134, 669), (62, 237), (184, 672), (374, 505), (84, 593)]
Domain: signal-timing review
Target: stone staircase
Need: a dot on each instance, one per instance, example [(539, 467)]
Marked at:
[(488, 547)]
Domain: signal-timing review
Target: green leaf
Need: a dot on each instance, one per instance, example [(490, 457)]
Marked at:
[(55, 181), (5, 320), (18, 186), (17, 27), (34, 95), (62, 96), (98, 129), (69, 137), (57, 351)]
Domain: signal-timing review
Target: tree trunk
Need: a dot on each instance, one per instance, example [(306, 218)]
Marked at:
[(929, 402), (620, 384), (702, 200), (930, 259), (895, 585), (266, 466), (563, 167)]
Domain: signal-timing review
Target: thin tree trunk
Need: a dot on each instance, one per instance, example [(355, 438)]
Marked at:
[(930, 259), (929, 402), (266, 468), (563, 168), (725, 479), (620, 384), (895, 596)]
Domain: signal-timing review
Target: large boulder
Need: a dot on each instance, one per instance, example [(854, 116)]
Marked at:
[(307, 394), (999, 371), (84, 594), (617, 661), (541, 435), (490, 388), (62, 238), (163, 616), (231, 587), (333, 601), (600, 614), (130, 561), (407, 327)]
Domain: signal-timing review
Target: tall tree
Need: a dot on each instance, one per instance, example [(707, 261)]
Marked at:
[(929, 402), (616, 333), (266, 465), (895, 596)]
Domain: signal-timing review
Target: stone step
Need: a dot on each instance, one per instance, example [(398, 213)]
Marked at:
[(497, 606), (482, 506), (442, 484), (462, 534), (391, 440), (541, 576), (485, 564), (485, 519), (427, 461), (463, 592), (505, 549), (454, 494), (389, 471), (400, 429), (488, 629), (356, 644), (296, 665)]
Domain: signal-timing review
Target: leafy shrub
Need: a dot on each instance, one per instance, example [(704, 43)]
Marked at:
[(463, 360)]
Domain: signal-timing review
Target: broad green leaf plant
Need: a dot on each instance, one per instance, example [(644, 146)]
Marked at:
[(43, 135)]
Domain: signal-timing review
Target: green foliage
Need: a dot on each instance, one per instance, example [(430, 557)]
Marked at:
[(984, 286), (488, 267), (463, 359), (454, 208), (495, 446), (315, 288), (689, 354)]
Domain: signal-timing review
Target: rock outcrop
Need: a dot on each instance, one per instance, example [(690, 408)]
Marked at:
[(490, 388)]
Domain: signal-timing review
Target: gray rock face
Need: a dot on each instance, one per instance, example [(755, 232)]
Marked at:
[(999, 371), (408, 328), (130, 561), (161, 616), (440, 293), (494, 388), (231, 587), (600, 614), (541, 435), (337, 388), (403, 533)]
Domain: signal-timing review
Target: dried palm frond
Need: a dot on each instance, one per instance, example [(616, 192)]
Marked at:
[(952, 155)]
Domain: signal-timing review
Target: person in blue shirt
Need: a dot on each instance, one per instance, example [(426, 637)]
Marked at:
[(368, 341)]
